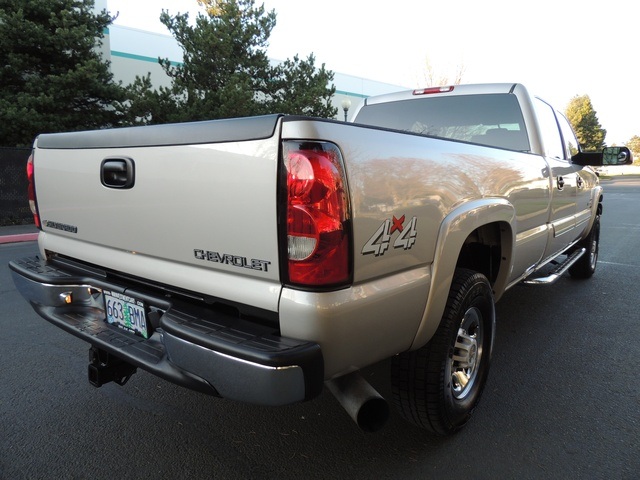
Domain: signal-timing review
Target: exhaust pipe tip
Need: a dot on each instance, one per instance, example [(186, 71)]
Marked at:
[(362, 402), (373, 415)]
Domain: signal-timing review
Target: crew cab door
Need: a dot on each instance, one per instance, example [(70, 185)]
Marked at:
[(585, 177), (563, 178), (562, 216)]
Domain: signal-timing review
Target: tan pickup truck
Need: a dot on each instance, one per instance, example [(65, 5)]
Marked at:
[(261, 259)]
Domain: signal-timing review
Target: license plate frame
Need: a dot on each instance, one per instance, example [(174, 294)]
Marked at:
[(126, 312)]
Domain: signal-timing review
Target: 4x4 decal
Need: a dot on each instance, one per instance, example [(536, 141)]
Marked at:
[(379, 243)]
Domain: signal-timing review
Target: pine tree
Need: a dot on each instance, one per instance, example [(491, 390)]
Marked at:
[(297, 87), (584, 121), (226, 72), (53, 77)]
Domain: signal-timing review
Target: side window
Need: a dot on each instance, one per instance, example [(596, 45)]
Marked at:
[(571, 145), (549, 129)]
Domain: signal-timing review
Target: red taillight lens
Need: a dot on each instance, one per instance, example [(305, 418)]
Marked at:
[(31, 191), (318, 234)]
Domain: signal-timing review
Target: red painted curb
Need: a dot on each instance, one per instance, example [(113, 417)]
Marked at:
[(25, 237)]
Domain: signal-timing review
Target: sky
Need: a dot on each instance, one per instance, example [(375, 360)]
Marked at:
[(557, 48)]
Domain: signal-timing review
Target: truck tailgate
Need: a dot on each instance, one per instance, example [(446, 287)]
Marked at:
[(189, 205)]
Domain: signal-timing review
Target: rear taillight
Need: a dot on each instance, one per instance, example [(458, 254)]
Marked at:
[(317, 211), (31, 191)]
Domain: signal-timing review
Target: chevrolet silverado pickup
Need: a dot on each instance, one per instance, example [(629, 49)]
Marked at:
[(261, 259)]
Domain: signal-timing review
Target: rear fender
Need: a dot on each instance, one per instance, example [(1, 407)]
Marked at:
[(455, 229)]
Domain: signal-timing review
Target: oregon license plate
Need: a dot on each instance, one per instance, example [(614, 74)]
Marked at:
[(126, 312)]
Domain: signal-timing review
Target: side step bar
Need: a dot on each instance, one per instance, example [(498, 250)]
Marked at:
[(557, 272)]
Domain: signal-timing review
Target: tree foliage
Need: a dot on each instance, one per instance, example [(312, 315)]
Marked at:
[(297, 87), (585, 123), (226, 72), (634, 145), (53, 77)]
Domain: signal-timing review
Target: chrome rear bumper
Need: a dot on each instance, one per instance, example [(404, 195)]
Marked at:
[(191, 345)]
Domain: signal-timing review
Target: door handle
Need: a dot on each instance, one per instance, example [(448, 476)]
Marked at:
[(560, 182), (117, 172)]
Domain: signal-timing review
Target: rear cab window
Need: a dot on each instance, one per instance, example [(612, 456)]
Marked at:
[(494, 120)]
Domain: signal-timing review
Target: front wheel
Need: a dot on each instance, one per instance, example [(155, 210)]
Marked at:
[(438, 386)]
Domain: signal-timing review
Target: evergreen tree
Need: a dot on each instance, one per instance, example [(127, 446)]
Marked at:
[(226, 72), (585, 123), (53, 77), (296, 87), (146, 105)]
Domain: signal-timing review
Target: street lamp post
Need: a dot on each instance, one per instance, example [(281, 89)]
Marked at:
[(346, 105)]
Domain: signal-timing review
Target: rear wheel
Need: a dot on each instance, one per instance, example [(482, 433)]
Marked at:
[(438, 386), (585, 267)]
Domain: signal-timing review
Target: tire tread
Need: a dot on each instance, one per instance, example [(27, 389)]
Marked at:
[(418, 376)]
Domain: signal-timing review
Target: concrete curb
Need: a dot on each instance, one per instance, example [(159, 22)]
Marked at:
[(18, 233), (25, 237)]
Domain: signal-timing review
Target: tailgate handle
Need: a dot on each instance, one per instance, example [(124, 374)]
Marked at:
[(117, 172)]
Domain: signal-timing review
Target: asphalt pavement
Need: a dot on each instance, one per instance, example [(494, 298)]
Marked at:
[(562, 400)]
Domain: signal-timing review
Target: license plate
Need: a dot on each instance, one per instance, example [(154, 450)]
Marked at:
[(126, 312)]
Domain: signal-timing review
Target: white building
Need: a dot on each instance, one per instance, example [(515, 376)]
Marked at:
[(134, 52)]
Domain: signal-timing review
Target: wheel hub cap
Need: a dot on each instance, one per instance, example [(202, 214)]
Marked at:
[(467, 353)]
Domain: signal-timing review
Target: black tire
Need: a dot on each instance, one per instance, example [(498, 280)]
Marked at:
[(585, 267), (438, 386)]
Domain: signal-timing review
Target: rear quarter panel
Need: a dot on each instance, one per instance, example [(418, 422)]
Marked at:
[(394, 178), (395, 175)]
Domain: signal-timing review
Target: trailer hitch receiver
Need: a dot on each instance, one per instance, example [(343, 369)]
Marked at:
[(105, 368)]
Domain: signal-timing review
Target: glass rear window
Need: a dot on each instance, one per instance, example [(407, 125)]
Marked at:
[(490, 119)]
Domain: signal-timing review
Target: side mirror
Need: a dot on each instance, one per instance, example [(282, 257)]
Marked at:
[(616, 156), (610, 156)]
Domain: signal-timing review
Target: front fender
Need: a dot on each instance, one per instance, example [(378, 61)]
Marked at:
[(454, 230)]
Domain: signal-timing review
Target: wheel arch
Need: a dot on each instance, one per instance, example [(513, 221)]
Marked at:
[(489, 250), (478, 235)]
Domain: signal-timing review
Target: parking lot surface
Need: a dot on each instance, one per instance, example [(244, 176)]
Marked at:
[(562, 400)]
